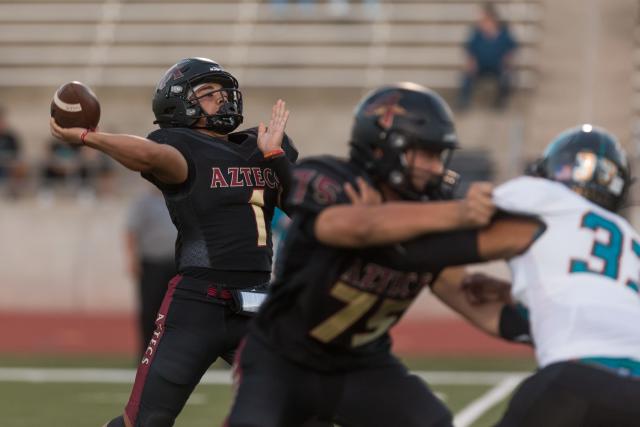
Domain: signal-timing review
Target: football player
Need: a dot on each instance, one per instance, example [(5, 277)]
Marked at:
[(320, 344), (221, 188), (575, 267)]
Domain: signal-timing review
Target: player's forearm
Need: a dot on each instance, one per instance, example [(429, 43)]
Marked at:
[(362, 226), (448, 289), (133, 152), (485, 317)]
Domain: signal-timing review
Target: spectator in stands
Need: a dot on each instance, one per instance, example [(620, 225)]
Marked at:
[(342, 7), (63, 166), (76, 169), (489, 53), (281, 5), (150, 239), (13, 170), (100, 171), (337, 8)]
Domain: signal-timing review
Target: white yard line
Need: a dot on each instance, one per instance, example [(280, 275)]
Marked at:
[(87, 375), (468, 415), (504, 382), (82, 375)]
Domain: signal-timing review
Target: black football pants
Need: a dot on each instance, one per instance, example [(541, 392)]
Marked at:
[(274, 392), (573, 394), (192, 331)]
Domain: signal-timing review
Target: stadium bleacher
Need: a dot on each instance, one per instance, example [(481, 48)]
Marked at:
[(403, 40)]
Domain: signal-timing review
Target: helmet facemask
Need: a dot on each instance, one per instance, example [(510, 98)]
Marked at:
[(229, 114), (400, 171)]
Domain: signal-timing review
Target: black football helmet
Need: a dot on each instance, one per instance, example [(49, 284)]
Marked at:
[(591, 162), (394, 118), (175, 105)]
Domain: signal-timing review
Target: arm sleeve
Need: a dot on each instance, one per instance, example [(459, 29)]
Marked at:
[(432, 252), (162, 136), (514, 325)]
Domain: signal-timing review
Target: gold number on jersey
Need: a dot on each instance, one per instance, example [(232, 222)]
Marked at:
[(257, 204), (358, 303), (386, 316)]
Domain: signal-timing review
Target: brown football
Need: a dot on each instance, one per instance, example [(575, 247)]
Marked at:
[(75, 105)]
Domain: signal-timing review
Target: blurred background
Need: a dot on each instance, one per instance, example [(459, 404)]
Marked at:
[(66, 286)]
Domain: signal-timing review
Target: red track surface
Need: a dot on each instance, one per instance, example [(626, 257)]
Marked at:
[(116, 334)]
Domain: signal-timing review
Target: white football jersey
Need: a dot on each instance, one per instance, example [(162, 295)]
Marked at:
[(580, 278)]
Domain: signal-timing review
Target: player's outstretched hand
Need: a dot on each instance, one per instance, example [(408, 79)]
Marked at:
[(477, 208), (481, 289), (71, 136), (270, 137), (365, 195)]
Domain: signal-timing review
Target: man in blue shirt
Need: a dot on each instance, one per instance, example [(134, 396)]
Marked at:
[(489, 48)]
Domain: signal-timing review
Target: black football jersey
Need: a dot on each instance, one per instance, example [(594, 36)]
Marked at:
[(223, 210), (331, 308)]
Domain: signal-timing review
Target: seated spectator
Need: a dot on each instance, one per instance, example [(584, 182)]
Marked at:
[(341, 8), (281, 5), (13, 170), (64, 169), (337, 8), (76, 170), (100, 170), (489, 49)]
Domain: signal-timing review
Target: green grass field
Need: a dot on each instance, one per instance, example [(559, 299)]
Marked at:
[(54, 403)]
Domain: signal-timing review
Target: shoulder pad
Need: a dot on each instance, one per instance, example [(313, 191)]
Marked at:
[(319, 181), (337, 167), (534, 196)]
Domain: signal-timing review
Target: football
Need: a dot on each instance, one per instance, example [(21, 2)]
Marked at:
[(75, 105)]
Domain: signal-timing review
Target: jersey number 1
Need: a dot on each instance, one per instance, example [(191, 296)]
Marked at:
[(257, 204)]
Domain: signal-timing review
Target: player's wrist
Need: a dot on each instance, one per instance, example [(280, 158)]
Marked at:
[(84, 134), (514, 326), (273, 154)]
